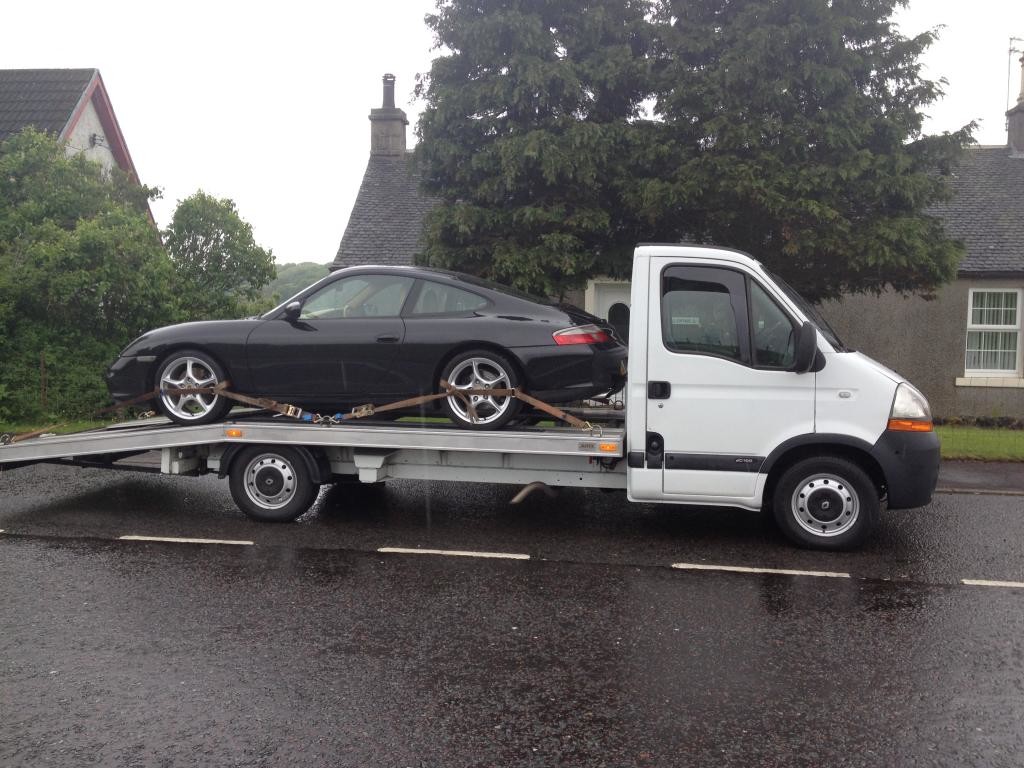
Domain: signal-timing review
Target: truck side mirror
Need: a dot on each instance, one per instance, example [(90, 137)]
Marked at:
[(806, 347), (292, 311)]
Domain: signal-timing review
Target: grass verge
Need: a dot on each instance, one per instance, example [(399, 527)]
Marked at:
[(961, 442)]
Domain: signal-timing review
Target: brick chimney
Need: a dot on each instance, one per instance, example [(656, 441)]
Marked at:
[(387, 124), (1015, 120)]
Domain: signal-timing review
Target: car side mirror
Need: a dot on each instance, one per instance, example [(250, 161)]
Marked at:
[(292, 311), (806, 348)]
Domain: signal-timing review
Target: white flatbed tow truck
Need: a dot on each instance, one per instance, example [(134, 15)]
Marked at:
[(738, 394)]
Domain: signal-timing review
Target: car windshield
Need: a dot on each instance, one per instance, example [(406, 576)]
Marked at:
[(812, 313), (271, 312)]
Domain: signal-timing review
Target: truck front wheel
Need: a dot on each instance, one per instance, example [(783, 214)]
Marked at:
[(826, 503), (272, 484)]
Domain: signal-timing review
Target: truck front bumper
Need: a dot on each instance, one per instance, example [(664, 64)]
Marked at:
[(910, 461)]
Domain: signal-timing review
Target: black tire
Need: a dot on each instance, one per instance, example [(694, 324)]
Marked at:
[(826, 503), (272, 483), (191, 368), (481, 369)]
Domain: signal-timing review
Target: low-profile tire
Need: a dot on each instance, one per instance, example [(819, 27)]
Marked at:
[(272, 483), (481, 369), (191, 368), (826, 503)]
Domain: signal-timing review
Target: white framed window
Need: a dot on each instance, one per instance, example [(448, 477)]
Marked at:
[(993, 332)]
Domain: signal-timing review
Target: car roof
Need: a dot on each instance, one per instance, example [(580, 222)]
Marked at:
[(411, 270), (435, 273)]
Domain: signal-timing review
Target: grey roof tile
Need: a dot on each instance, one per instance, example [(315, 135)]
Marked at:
[(386, 224), (987, 211), (44, 98)]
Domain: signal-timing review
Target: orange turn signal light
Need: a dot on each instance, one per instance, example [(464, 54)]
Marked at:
[(609, 447), (909, 425), (234, 433)]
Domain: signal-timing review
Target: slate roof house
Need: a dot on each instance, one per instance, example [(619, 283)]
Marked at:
[(386, 223), (72, 104), (963, 349)]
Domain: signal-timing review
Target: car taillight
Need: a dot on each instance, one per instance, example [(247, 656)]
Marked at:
[(580, 334)]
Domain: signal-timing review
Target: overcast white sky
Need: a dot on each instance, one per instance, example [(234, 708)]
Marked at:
[(267, 103)]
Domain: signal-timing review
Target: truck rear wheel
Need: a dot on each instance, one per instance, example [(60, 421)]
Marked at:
[(272, 484), (826, 503)]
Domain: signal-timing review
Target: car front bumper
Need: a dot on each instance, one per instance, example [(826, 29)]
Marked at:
[(129, 377)]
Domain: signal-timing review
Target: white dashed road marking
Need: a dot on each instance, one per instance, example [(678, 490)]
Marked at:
[(174, 540), (741, 569), (517, 556), (452, 553), (990, 583)]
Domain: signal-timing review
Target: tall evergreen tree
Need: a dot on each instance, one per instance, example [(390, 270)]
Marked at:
[(792, 129), (787, 128), (526, 135)]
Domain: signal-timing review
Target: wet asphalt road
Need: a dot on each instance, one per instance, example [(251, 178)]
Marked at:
[(310, 647)]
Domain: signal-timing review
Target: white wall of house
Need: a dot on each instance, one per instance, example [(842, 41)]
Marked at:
[(602, 293), (81, 139)]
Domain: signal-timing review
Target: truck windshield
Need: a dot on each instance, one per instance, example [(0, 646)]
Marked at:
[(811, 312)]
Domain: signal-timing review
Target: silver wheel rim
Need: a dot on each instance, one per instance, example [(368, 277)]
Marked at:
[(270, 481), (480, 373), (184, 373), (825, 505)]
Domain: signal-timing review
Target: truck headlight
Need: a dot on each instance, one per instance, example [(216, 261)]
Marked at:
[(910, 411)]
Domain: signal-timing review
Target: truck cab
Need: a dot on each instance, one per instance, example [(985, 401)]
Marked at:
[(740, 395)]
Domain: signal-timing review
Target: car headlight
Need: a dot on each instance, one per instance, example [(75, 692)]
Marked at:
[(910, 411)]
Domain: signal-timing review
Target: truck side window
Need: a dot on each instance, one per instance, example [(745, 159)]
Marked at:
[(773, 331), (703, 310)]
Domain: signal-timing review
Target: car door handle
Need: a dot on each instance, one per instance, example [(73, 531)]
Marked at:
[(387, 339), (658, 390)]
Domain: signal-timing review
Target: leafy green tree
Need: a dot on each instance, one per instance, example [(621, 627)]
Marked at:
[(526, 135), (82, 272), (792, 129), (220, 268)]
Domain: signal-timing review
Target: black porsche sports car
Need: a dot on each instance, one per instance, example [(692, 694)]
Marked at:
[(380, 334)]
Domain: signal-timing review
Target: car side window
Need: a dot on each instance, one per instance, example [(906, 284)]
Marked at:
[(358, 296), (703, 310), (773, 332), (437, 299)]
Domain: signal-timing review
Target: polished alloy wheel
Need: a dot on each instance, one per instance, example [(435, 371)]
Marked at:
[(825, 505), (270, 481), (186, 373), (480, 373)]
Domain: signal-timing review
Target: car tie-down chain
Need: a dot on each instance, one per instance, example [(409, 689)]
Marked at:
[(369, 409), (447, 390), (359, 412)]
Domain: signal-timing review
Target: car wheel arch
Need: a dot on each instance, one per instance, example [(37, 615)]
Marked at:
[(816, 448), (486, 345)]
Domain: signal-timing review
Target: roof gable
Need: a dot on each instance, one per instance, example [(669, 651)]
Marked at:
[(53, 101), (386, 223), (43, 98)]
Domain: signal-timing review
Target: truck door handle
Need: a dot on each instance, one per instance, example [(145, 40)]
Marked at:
[(658, 390), (387, 339)]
